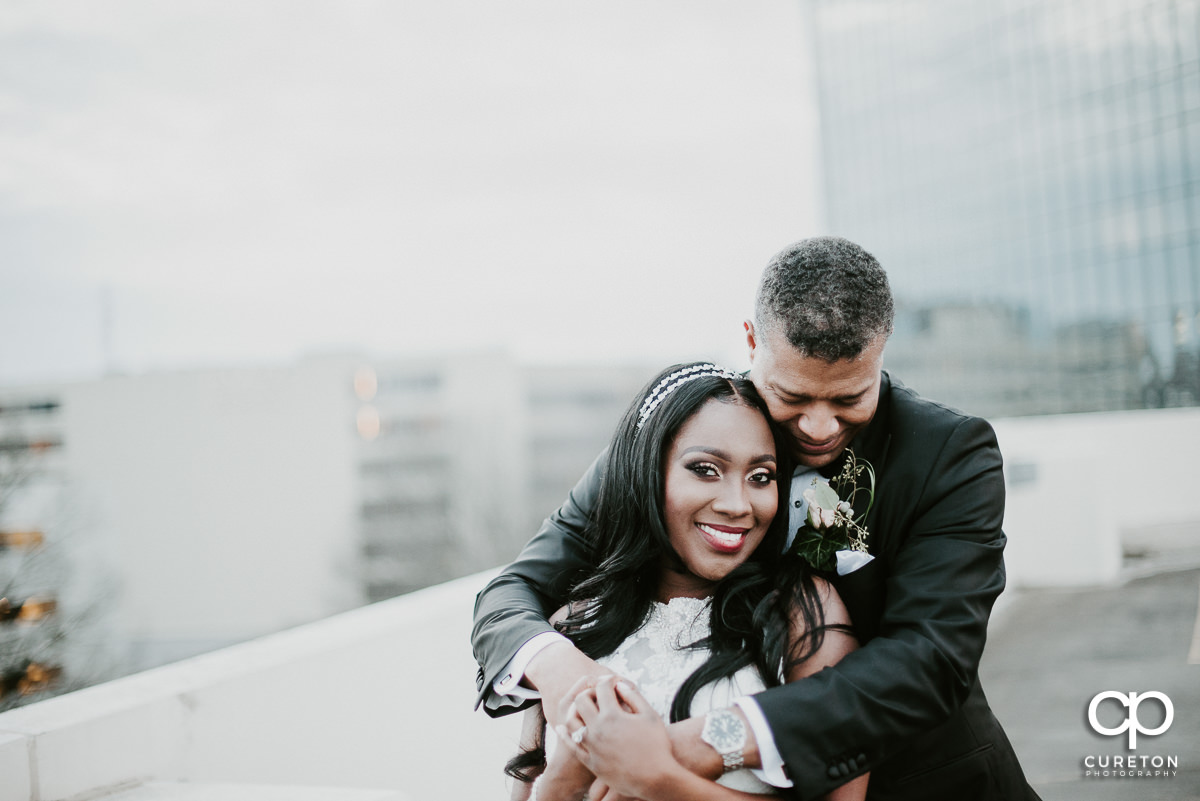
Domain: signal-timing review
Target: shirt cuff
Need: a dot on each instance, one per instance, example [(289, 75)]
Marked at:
[(509, 682), (772, 770)]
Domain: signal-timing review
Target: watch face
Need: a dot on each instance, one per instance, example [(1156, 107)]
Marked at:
[(725, 731)]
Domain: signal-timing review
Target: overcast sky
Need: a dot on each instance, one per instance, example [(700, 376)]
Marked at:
[(216, 183)]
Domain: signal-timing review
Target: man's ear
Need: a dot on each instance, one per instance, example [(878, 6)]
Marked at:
[(751, 342)]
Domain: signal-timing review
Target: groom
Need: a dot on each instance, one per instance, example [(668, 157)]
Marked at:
[(907, 706)]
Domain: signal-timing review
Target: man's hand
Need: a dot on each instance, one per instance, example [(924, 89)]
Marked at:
[(555, 672)]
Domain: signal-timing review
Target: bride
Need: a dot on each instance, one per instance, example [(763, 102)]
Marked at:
[(692, 603)]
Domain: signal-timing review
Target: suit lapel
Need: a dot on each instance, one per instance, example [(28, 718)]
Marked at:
[(871, 445), (863, 590)]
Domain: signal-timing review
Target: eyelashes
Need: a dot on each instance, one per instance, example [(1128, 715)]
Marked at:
[(710, 470)]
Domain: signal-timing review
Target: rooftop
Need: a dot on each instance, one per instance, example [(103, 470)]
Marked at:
[(377, 703)]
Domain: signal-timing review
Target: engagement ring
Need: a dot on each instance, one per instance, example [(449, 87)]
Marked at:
[(579, 734)]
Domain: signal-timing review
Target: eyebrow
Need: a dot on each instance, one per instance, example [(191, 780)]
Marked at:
[(720, 454), (778, 390)]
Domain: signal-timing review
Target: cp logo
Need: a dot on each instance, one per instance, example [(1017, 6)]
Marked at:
[(1132, 724)]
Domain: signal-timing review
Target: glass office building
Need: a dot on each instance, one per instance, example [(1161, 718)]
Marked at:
[(1028, 171)]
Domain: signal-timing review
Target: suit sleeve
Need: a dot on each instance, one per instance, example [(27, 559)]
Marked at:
[(920, 666), (514, 606)]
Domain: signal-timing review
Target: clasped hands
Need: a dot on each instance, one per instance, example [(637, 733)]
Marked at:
[(607, 727), (628, 751)]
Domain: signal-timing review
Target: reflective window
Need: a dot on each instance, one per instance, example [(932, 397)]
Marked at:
[(1035, 161)]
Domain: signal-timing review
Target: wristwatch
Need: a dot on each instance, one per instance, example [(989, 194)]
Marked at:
[(726, 732)]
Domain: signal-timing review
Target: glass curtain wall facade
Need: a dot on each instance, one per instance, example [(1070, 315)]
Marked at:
[(1029, 174)]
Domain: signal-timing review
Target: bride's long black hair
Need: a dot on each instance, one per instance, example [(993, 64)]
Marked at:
[(752, 607)]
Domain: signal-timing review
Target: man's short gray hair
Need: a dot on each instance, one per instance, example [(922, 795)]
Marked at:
[(827, 296)]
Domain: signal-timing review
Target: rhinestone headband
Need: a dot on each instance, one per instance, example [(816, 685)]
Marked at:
[(672, 382)]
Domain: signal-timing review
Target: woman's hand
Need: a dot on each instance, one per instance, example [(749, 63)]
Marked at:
[(565, 778), (625, 743)]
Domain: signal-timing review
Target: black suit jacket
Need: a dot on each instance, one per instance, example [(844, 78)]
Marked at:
[(907, 706)]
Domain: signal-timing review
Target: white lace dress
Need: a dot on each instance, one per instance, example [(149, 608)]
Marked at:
[(656, 659)]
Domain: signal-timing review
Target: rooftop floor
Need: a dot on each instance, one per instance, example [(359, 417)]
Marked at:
[(1051, 651)]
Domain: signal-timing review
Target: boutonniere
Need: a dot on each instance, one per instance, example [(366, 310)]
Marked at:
[(833, 537)]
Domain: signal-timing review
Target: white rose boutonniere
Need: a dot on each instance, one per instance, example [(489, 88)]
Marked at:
[(833, 537)]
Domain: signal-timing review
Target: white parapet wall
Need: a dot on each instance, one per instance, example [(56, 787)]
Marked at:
[(1080, 486), (380, 697)]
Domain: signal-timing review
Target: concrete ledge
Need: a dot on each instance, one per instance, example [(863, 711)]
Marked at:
[(15, 768), (1080, 486), (182, 791), (380, 697)]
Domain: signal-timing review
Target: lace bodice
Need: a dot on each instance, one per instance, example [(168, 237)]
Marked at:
[(656, 658)]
